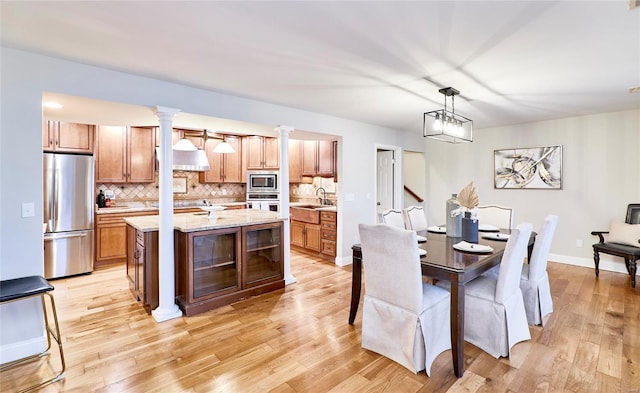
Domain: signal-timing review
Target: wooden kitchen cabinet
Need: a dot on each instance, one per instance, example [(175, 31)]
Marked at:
[(125, 154), (218, 267), (295, 161), (261, 152), (224, 168), (317, 158), (111, 237), (305, 235), (142, 266), (328, 233), (58, 136)]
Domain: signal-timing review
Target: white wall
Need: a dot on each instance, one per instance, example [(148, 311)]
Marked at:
[(601, 175), (25, 76)]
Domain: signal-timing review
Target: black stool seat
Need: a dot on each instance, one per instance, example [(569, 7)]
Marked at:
[(23, 287)]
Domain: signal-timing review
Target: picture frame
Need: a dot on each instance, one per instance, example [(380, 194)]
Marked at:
[(179, 185), (528, 168)]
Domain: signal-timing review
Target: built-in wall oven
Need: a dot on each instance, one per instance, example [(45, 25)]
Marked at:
[(262, 190)]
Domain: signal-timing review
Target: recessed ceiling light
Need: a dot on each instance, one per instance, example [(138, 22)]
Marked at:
[(635, 89), (52, 105)]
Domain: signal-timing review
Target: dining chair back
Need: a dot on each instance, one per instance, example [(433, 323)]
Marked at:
[(393, 217), (534, 281), (498, 216), (416, 220), (403, 318), (495, 317)]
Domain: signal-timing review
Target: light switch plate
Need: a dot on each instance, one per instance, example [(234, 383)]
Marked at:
[(28, 209)]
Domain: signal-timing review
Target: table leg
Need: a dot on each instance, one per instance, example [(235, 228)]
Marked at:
[(356, 283), (457, 327)]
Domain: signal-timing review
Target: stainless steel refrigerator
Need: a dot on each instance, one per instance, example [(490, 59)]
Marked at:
[(68, 214)]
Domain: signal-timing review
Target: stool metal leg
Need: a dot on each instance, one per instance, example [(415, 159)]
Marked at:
[(50, 333)]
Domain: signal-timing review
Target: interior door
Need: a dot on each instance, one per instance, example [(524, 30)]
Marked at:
[(384, 180)]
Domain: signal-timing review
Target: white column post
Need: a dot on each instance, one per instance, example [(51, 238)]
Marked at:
[(284, 200), (167, 308)]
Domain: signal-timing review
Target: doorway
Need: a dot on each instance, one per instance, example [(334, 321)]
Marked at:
[(388, 178)]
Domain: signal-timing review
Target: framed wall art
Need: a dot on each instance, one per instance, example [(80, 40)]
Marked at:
[(528, 168)]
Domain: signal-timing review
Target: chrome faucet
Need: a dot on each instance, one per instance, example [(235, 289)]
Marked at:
[(323, 200)]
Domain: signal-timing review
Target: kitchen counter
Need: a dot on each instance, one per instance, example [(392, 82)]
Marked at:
[(192, 222), (141, 207), (319, 207)]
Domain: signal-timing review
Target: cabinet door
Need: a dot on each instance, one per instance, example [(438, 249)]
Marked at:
[(295, 161), (111, 163), (309, 158), (215, 266), (312, 237), (139, 258), (297, 233), (271, 153), (253, 152), (131, 261), (325, 158), (141, 141), (214, 174), (72, 137), (263, 258), (232, 162), (111, 241), (49, 130)]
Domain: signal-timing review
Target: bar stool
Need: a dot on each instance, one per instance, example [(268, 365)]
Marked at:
[(24, 288)]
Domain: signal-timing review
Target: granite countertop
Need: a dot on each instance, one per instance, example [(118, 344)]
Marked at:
[(142, 207), (316, 206), (192, 222)]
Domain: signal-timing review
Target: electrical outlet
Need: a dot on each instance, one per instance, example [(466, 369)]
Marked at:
[(579, 243)]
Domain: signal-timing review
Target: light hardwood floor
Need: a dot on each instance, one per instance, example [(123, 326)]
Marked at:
[(298, 340)]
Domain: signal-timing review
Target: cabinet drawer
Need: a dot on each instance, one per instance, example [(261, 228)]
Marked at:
[(140, 238), (328, 216), (329, 235), (328, 247), (328, 225)]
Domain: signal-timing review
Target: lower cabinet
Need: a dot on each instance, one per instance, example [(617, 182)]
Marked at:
[(111, 237), (221, 266), (314, 233), (142, 266), (305, 235), (328, 228)]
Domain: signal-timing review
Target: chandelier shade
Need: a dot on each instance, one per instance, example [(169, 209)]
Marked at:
[(446, 125)]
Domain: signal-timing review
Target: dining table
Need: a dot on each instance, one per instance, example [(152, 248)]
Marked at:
[(443, 262)]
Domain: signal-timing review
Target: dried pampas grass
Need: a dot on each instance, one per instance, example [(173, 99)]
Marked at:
[(468, 197)]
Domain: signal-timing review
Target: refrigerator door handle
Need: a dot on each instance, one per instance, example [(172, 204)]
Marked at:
[(56, 236)]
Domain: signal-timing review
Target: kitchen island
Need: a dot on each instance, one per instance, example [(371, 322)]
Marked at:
[(217, 261)]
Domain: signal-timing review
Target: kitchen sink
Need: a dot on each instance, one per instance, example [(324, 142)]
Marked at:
[(309, 206)]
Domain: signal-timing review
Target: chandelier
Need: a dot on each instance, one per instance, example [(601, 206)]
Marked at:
[(446, 125)]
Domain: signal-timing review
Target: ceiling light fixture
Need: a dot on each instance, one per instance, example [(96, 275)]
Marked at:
[(446, 125), (222, 147), (187, 157)]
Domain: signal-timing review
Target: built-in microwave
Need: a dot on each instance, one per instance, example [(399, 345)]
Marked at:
[(262, 181)]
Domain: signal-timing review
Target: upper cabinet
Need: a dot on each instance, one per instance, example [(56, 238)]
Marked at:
[(261, 152), (125, 154), (318, 158), (224, 168), (59, 136), (295, 161)]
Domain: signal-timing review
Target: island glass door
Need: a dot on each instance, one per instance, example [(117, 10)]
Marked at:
[(263, 254), (216, 264)]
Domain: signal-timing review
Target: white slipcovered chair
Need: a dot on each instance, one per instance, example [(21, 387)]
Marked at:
[(393, 217), (416, 220), (534, 281), (495, 318), (403, 318), (495, 215)]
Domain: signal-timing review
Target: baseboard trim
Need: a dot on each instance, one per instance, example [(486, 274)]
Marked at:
[(22, 349), (606, 263)]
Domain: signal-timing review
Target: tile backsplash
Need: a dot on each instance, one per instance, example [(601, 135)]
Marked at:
[(229, 192)]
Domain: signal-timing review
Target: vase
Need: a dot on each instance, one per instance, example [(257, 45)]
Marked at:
[(454, 225), (469, 228)]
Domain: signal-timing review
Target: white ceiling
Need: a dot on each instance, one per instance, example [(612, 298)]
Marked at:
[(376, 62)]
